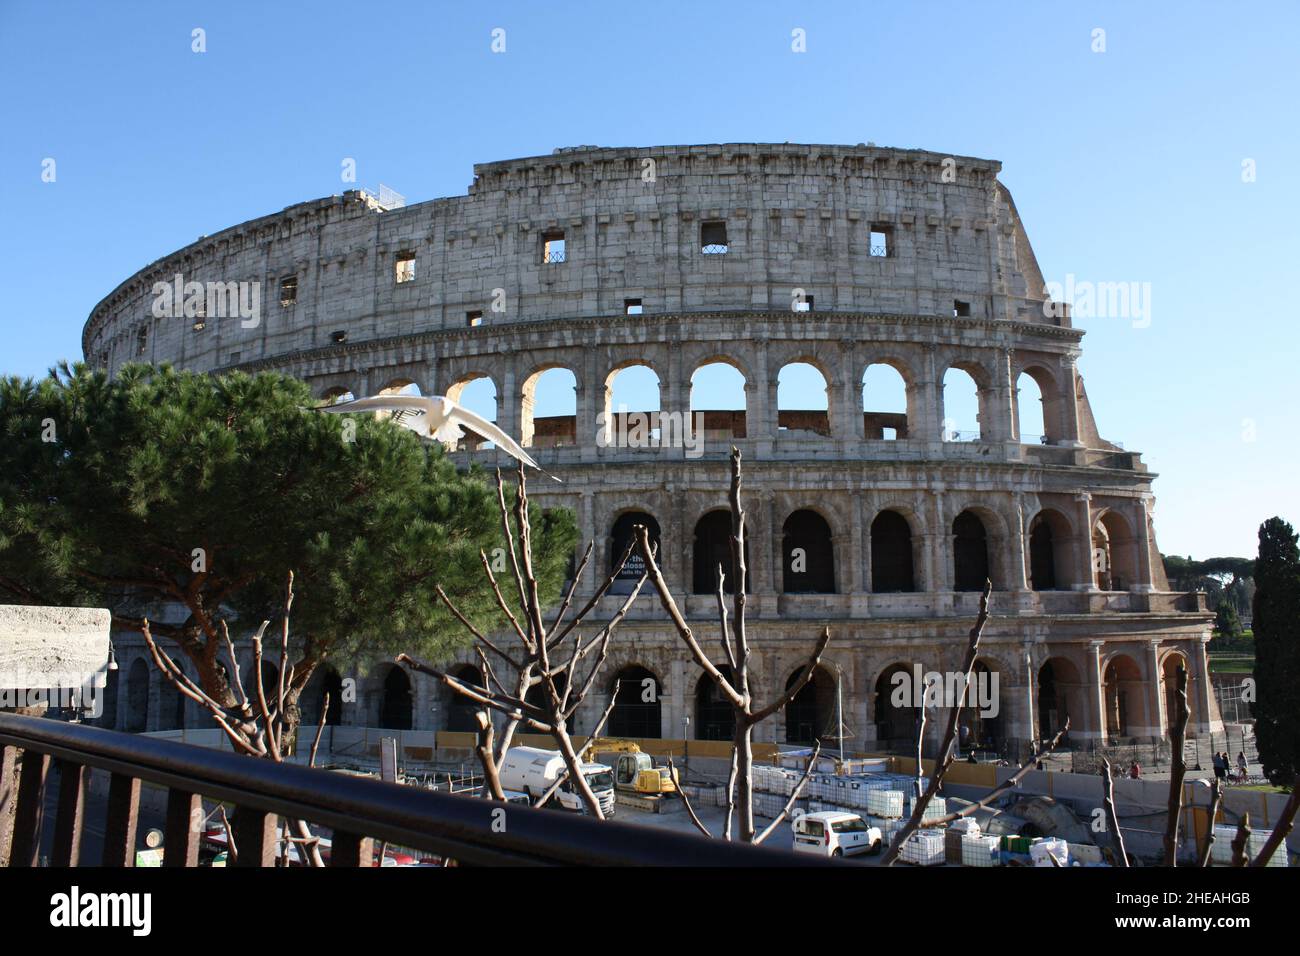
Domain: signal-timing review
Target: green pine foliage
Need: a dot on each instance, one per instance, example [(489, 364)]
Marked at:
[(165, 488), (1277, 652)]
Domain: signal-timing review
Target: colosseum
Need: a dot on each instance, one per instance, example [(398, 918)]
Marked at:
[(794, 278)]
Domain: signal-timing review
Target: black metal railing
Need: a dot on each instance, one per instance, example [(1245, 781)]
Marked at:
[(359, 811)]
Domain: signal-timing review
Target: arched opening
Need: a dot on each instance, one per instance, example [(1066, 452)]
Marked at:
[(1114, 553), (896, 708), (461, 711), (885, 403), (1123, 696), (1038, 407), (621, 535), (311, 701), (981, 726), (396, 707), (961, 406), (715, 718), (631, 413), (637, 711), (1049, 563), (810, 716), (400, 386), (171, 706), (539, 696), (478, 393), (891, 554), (970, 552), (802, 402), (137, 697), (713, 548), (1059, 689), (718, 396), (549, 415), (807, 554)]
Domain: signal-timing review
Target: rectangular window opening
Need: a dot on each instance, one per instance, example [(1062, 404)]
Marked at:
[(632, 307), (806, 305), (288, 291), (960, 308), (474, 318), (553, 247), (142, 341), (404, 270), (880, 240), (713, 238)]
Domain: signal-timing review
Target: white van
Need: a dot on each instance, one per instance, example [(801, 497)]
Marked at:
[(832, 833)]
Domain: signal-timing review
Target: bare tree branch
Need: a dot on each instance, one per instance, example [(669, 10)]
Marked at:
[(1178, 768), (794, 794), (1112, 818), (686, 801), (1216, 797)]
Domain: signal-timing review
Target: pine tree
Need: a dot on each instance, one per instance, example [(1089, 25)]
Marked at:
[(1276, 619), (1226, 621), (201, 493)]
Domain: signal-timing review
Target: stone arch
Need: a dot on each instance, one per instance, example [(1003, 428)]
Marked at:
[(461, 712), (807, 554), (715, 718), (963, 403), (137, 697), (478, 392), (810, 716), (396, 700), (896, 707), (548, 416), (1060, 697), (400, 385), (712, 546), (1031, 428), (1050, 564), (632, 403), (893, 555), (1124, 697), (311, 701), (638, 709), (171, 704), (889, 409), (621, 535), (970, 550), (1115, 552), (980, 729), (718, 392), (337, 395), (797, 405)]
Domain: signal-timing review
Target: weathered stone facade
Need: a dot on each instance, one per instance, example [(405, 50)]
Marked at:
[(911, 259)]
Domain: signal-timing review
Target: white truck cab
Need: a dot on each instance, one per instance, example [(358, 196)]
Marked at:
[(532, 770), (832, 833)]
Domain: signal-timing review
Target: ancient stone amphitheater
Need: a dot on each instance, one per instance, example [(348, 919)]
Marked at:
[(840, 263)]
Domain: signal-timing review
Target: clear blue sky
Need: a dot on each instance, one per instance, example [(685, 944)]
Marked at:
[(1126, 165)]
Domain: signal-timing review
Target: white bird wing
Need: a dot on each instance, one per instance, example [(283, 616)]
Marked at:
[(490, 431), (410, 411)]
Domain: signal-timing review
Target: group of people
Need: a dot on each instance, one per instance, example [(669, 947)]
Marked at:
[(1223, 767)]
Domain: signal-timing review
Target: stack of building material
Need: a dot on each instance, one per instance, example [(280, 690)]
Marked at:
[(979, 850), (952, 845), (935, 809), (885, 803), (1085, 854), (924, 848), (1050, 851)]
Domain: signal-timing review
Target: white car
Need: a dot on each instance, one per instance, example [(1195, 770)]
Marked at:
[(832, 833)]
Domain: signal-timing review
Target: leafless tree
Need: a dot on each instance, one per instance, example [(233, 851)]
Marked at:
[(945, 756), (1216, 797), (735, 689), (256, 725), (1112, 818), (1177, 769), (549, 660)]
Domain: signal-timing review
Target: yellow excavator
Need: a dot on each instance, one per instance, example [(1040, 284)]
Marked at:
[(634, 771)]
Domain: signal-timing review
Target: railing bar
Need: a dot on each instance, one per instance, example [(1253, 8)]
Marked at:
[(184, 828), (351, 849), (69, 815), (121, 818), (254, 837), (8, 796), (26, 846)]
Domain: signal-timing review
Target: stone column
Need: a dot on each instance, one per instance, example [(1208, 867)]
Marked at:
[(760, 403), (1096, 691), (1069, 403), (851, 394), (509, 407), (1155, 692), (1145, 581), (1084, 579), (1199, 689), (591, 405), (1017, 576)]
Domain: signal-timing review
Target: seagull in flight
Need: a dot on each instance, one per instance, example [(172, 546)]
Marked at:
[(438, 418)]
